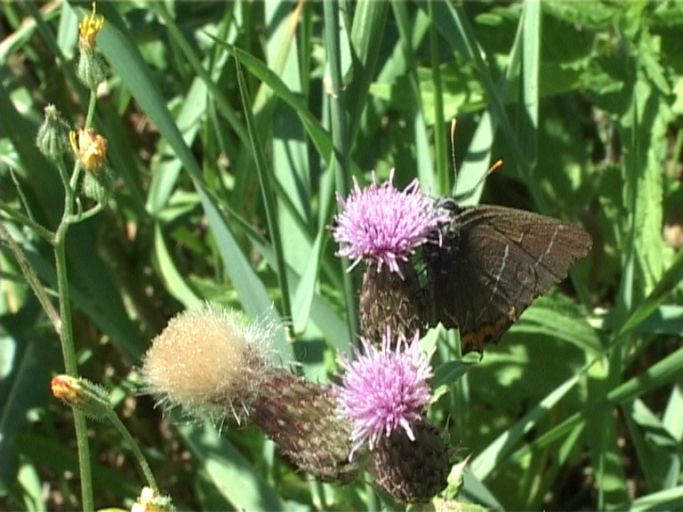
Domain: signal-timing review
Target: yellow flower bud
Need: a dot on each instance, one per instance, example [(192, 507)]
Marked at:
[(82, 395)]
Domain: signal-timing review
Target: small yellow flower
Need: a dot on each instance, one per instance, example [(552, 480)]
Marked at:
[(89, 147), (89, 28)]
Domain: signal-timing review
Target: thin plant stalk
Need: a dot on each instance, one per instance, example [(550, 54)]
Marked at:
[(31, 277), (142, 461), (65, 324), (67, 339)]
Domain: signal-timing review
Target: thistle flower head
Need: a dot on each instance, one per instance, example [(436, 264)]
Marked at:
[(209, 361), (384, 389), (383, 224)]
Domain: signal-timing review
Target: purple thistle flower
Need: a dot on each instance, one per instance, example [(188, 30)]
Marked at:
[(384, 224), (384, 389)]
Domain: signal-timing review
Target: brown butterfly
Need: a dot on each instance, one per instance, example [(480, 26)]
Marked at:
[(492, 263)]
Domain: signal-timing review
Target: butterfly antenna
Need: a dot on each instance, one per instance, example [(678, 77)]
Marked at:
[(455, 167), (496, 166)]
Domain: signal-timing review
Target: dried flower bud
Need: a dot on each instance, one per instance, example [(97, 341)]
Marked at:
[(89, 147), (150, 501), (53, 134), (82, 394), (91, 69)]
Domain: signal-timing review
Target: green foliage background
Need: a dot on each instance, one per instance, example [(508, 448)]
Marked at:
[(580, 406)]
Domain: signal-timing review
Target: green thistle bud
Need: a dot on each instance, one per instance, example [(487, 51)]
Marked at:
[(412, 471), (53, 134), (82, 394), (301, 417), (389, 300)]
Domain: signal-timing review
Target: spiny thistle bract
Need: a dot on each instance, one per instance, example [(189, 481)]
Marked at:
[(300, 416), (213, 363), (389, 301), (412, 470)]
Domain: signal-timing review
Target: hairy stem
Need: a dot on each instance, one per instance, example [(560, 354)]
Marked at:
[(144, 465), (31, 277)]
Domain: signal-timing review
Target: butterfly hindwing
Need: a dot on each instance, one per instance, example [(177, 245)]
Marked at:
[(493, 263)]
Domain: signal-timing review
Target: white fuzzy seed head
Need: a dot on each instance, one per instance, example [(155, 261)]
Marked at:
[(210, 361)]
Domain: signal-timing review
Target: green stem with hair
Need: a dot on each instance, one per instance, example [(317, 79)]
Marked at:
[(66, 325), (144, 465), (67, 339)]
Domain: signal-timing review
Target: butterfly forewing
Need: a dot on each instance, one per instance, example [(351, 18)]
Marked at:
[(493, 263)]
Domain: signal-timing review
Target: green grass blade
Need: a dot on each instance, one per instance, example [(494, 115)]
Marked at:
[(531, 42), (305, 291), (368, 26), (500, 449), (668, 282), (669, 499), (175, 283), (443, 171), (407, 26), (25, 362), (673, 413), (662, 372), (125, 59), (269, 204), (216, 94), (341, 154), (320, 138)]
